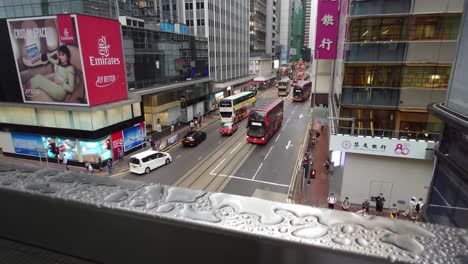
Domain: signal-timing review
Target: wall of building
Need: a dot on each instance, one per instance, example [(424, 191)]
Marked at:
[(397, 178)]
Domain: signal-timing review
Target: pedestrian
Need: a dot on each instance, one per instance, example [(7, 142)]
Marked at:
[(120, 153), (417, 209), (109, 166), (364, 207), (327, 165), (379, 203), (99, 163), (411, 206), (394, 211), (191, 125), (89, 167), (321, 128), (172, 129), (196, 123), (346, 204), (317, 134), (65, 161), (331, 201)]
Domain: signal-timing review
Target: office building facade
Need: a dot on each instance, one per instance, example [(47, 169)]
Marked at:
[(393, 59)]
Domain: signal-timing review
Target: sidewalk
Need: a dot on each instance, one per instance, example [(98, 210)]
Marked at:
[(121, 166)]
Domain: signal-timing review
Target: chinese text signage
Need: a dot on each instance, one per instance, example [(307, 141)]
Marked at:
[(382, 146), (327, 29)]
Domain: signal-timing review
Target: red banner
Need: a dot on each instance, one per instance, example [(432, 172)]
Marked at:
[(66, 30), (101, 46), (117, 144)]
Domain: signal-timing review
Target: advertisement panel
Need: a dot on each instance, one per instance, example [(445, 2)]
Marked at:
[(68, 148), (48, 59), (117, 143), (26, 144), (93, 150), (328, 16), (101, 46), (134, 136)]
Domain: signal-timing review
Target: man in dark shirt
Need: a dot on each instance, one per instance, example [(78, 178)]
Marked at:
[(379, 203)]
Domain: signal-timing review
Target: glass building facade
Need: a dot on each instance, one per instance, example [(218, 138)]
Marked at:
[(160, 58), (397, 59)]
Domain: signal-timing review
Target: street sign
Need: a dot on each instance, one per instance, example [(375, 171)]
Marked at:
[(43, 150)]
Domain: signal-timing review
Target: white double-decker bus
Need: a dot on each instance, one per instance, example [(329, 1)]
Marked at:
[(235, 107)]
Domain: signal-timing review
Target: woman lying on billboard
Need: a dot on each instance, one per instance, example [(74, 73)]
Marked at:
[(62, 81)]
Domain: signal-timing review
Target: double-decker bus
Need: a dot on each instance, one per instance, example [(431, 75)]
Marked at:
[(284, 87), (264, 121), (234, 108), (301, 91)]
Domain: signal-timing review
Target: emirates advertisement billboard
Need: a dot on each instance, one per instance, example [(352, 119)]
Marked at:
[(68, 59)]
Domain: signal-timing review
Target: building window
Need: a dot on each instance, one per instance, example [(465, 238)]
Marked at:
[(371, 122), (188, 6), (426, 76), (377, 29), (372, 76), (200, 22), (431, 27)]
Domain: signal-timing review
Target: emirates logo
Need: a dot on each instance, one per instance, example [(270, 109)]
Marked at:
[(103, 47), (66, 33)]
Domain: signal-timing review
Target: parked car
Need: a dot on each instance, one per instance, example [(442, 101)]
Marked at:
[(148, 160), (193, 138), (228, 129)]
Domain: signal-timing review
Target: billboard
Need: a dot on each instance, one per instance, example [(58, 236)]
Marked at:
[(117, 143), (93, 150), (328, 16), (68, 59), (134, 136), (27, 144)]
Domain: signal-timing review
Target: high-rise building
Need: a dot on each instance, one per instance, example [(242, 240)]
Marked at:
[(285, 30), (448, 199), (307, 20), (393, 59), (226, 25), (258, 27)]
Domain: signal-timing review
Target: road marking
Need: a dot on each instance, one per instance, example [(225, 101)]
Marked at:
[(219, 142), (268, 153), (295, 107), (289, 145), (292, 113), (178, 156), (199, 158), (261, 164), (301, 116), (288, 120), (252, 180), (236, 147), (283, 128), (278, 137), (217, 166)]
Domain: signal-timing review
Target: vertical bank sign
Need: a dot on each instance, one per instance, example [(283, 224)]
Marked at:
[(68, 59), (101, 46), (328, 16)]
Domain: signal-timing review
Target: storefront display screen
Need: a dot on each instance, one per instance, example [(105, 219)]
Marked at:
[(69, 145), (92, 150)]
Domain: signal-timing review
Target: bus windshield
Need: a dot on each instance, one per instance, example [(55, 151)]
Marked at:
[(226, 114), (256, 116), (297, 91), (256, 131), (225, 103)]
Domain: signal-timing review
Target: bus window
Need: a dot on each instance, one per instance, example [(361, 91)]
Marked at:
[(256, 131), (225, 103), (226, 114)]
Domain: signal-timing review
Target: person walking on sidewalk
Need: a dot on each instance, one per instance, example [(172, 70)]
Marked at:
[(109, 166), (89, 167), (394, 211), (379, 203), (172, 129), (331, 201), (65, 161), (346, 204)]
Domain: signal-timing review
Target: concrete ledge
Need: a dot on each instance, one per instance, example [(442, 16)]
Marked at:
[(107, 220)]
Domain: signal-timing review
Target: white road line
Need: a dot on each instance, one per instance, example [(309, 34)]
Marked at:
[(252, 180), (261, 164), (199, 158), (178, 156), (292, 113), (288, 120), (236, 147), (295, 107), (283, 128), (278, 137), (217, 167), (219, 142), (268, 153)]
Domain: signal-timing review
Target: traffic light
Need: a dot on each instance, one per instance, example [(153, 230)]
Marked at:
[(108, 144), (53, 148)]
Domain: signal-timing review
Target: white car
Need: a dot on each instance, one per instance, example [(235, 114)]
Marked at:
[(148, 160)]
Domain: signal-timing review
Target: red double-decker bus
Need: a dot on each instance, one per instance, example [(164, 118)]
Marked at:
[(301, 91), (264, 121)]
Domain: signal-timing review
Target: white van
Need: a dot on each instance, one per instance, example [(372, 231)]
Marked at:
[(148, 160)]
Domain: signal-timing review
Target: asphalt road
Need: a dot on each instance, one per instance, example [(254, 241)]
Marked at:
[(231, 165)]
